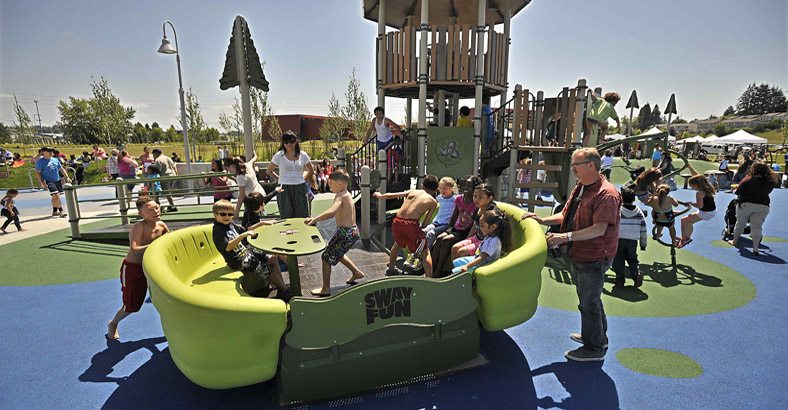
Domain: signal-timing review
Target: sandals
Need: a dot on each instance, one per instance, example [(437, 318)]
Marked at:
[(683, 242)]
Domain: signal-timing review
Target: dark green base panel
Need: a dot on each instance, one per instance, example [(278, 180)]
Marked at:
[(387, 355)]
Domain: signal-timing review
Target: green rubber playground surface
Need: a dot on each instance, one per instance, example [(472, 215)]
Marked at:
[(657, 362), (61, 259), (696, 286), (724, 244)]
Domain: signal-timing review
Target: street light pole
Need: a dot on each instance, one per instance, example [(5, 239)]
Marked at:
[(166, 48)]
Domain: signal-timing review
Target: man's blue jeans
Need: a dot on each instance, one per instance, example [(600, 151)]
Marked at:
[(590, 279)]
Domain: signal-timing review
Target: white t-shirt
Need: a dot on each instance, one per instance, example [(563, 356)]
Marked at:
[(607, 162), (249, 181), (290, 172), (491, 245)]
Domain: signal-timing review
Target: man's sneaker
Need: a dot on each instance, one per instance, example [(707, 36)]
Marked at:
[(585, 354), (62, 214), (416, 265), (408, 261), (54, 213), (619, 283), (577, 337), (639, 280)]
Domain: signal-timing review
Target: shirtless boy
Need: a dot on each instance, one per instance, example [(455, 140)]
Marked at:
[(133, 283), (347, 232), (408, 231)]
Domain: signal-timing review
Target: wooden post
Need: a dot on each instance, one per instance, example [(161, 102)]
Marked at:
[(513, 153), (72, 206), (424, 30), (383, 186), (581, 108), (442, 109), (341, 157), (479, 78), (381, 51), (365, 211), (123, 192)]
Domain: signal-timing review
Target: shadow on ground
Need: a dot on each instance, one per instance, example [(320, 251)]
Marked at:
[(506, 382)]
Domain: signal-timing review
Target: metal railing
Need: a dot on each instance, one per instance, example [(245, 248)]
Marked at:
[(398, 163), (124, 197)]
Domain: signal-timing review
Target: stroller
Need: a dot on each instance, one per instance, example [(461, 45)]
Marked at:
[(730, 221)]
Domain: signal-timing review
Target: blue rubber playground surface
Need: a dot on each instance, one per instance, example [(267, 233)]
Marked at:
[(710, 334)]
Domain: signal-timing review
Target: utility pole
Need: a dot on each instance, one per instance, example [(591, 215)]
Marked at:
[(39, 117)]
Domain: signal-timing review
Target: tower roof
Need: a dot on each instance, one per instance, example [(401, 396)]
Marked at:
[(441, 11)]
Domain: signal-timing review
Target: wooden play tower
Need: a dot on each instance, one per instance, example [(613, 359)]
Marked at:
[(465, 57)]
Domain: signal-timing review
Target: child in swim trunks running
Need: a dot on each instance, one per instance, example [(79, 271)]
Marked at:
[(132, 279), (347, 232), (407, 228)]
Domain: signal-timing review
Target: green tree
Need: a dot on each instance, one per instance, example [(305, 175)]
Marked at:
[(171, 134), (334, 126), (761, 99), (356, 112), (22, 124), (644, 117), (720, 129), (77, 121), (729, 111), (656, 116), (5, 134), (156, 133), (113, 119)]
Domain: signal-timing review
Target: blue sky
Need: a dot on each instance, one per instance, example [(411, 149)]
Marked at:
[(706, 52)]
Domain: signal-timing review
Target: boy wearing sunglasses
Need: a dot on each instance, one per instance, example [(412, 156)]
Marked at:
[(257, 267)]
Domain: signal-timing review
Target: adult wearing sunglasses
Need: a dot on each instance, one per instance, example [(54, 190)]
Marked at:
[(589, 225), (295, 168)]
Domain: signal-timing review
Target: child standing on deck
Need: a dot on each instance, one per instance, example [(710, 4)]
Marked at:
[(406, 228), (662, 205), (134, 286), (497, 231), (9, 210), (631, 229), (256, 266), (346, 235)]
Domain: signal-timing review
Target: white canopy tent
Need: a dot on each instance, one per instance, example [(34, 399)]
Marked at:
[(615, 137), (711, 138), (742, 137), (693, 139), (655, 130)]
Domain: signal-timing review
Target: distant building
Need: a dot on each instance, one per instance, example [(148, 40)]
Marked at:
[(734, 121), (306, 127)]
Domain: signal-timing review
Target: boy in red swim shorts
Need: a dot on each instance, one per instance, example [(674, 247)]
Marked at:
[(408, 231), (133, 283)]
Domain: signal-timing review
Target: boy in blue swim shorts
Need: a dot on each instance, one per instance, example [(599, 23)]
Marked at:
[(347, 232)]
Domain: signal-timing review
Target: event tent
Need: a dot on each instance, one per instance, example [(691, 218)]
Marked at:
[(615, 137), (742, 137), (711, 138), (655, 130)]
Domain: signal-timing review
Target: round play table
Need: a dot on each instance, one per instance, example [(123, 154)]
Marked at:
[(291, 237)]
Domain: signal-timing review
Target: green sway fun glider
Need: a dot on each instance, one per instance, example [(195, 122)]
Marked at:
[(383, 331)]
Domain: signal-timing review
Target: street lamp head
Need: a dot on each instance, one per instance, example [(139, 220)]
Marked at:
[(166, 47)]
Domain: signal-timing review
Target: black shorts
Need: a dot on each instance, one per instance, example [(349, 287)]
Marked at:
[(55, 187), (462, 234)]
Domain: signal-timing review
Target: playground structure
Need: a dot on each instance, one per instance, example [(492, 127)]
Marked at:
[(391, 329), (379, 332)]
